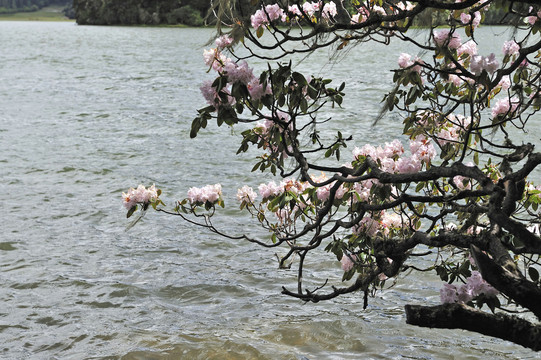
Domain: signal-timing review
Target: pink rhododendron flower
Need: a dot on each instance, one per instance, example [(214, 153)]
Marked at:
[(310, 8), (259, 19), (128, 200), (533, 19), (475, 285), (464, 294), (407, 165), (274, 12), (479, 63), (340, 192), (503, 106), (394, 148), (246, 194), (448, 135), (293, 186), (422, 149), (366, 150), (448, 294), (459, 182), (256, 90), (215, 59), (388, 165), (444, 37), (263, 128), (211, 95), (323, 192), (391, 220), (141, 195), (476, 19), (405, 6), (467, 19), (361, 16), (469, 47), (264, 16), (208, 193), (463, 121), (329, 10), (510, 47), (382, 277), (223, 41), (455, 79), (209, 92), (404, 60), (367, 226), (209, 56), (505, 82), (270, 190), (294, 10), (362, 191), (239, 72), (347, 262)]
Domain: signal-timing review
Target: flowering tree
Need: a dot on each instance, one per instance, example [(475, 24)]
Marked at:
[(457, 188)]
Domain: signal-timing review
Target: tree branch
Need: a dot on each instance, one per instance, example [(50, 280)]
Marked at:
[(459, 316)]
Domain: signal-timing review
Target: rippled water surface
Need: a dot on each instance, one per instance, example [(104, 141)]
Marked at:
[(85, 113)]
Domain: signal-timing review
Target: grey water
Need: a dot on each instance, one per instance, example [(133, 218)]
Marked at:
[(86, 113)]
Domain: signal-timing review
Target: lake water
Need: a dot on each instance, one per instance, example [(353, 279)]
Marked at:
[(87, 112)]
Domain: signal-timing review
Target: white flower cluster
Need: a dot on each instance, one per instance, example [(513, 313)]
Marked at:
[(208, 193), (141, 195)]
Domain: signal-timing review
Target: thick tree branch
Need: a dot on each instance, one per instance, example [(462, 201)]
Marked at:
[(459, 316)]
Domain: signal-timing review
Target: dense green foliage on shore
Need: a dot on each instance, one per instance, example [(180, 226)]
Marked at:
[(14, 6), (48, 13), (129, 12)]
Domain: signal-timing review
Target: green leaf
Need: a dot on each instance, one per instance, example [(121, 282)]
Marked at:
[(195, 128), (259, 31), (534, 274), (299, 79), (131, 211), (304, 105), (328, 153), (469, 31), (312, 92)]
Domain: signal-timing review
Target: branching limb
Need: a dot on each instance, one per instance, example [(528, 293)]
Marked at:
[(457, 316)]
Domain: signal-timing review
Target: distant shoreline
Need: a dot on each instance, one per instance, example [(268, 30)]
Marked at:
[(48, 13)]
